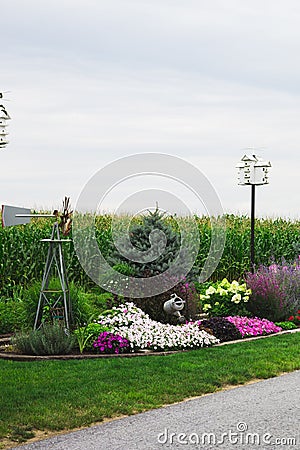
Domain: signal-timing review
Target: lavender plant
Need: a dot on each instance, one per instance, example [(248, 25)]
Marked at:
[(275, 291)]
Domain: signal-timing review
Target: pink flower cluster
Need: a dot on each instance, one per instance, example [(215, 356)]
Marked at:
[(253, 326)]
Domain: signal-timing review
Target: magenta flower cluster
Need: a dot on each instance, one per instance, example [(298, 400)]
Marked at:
[(111, 343), (253, 326)]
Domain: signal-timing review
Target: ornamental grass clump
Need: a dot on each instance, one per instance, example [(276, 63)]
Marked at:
[(248, 326), (142, 332), (224, 298), (275, 291)]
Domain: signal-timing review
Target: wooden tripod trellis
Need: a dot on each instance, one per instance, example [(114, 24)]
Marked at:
[(56, 301)]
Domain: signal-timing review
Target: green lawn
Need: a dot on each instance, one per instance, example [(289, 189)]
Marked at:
[(57, 395)]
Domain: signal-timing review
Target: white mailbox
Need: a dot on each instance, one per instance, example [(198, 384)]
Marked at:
[(253, 170)]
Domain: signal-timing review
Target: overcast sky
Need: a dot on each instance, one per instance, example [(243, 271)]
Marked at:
[(92, 81)]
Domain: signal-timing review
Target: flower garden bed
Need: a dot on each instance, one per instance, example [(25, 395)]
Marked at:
[(9, 355), (126, 330), (129, 332)]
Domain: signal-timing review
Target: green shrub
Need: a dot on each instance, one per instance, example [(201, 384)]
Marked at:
[(124, 269), (91, 304), (288, 325), (19, 313), (82, 306), (87, 334), (50, 339), (13, 315)]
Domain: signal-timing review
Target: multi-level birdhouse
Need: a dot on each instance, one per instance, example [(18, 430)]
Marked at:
[(253, 170), (4, 116)]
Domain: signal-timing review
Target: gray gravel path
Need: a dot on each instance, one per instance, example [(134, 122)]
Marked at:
[(262, 415)]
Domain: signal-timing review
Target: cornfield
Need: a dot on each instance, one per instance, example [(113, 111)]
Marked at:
[(22, 255)]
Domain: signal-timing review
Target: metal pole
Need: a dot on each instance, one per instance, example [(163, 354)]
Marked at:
[(252, 226)]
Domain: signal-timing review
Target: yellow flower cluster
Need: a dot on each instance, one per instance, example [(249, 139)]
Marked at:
[(235, 292)]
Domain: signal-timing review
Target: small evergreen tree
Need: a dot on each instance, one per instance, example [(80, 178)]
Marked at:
[(149, 248), (152, 246)]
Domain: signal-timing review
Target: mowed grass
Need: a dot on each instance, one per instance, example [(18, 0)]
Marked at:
[(61, 395)]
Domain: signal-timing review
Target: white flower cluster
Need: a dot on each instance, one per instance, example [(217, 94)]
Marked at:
[(144, 333)]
